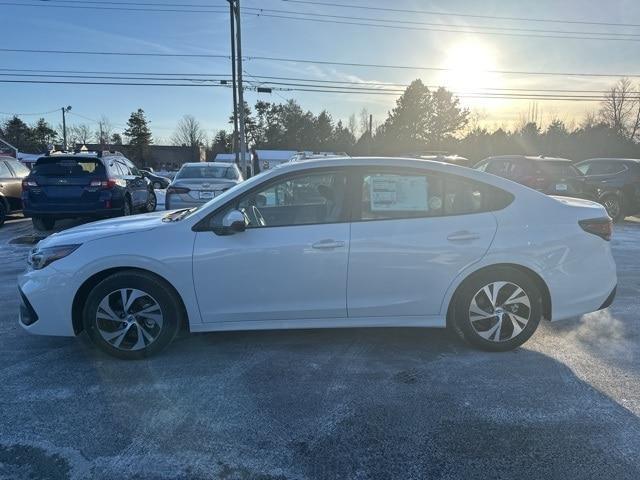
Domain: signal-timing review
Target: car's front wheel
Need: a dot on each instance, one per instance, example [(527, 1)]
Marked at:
[(132, 314), (3, 213), (497, 309)]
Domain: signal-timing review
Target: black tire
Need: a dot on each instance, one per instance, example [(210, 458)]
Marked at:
[(156, 290), (152, 202), (3, 212), (127, 208), (615, 208), (44, 224), (471, 288)]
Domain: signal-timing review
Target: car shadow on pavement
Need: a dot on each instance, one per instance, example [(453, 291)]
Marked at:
[(342, 403)]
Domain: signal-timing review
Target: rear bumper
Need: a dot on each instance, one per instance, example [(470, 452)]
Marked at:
[(173, 202)]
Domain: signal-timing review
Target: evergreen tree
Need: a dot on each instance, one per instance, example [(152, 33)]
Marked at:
[(139, 134)]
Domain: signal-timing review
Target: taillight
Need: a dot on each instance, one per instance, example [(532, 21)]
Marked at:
[(26, 183), (177, 190), (602, 227)]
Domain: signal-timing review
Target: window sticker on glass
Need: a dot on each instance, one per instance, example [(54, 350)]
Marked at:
[(399, 193)]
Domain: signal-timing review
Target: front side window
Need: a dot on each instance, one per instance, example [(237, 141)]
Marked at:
[(4, 170), (297, 200)]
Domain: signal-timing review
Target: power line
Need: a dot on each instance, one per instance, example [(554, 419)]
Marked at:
[(438, 69), (434, 24), (327, 62), (324, 90), (134, 54), (446, 30), (120, 8), (30, 114), (467, 15)]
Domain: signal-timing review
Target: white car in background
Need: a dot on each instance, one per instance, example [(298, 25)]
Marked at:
[(198, 182), (365, 242)]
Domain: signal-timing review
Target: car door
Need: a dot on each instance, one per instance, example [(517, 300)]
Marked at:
[(10, 187), (138, 183), (290, 263), (130, 180), (12, 184), (414, 232)]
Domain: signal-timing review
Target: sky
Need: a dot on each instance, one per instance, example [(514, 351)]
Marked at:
[(466, 56)]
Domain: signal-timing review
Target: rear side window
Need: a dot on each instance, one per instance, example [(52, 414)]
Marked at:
[(4, 170), (18, 168), (387, 195), (68, 166)]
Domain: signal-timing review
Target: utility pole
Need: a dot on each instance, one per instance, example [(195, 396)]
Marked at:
[(64, 127), (243, 145), (234, 141)]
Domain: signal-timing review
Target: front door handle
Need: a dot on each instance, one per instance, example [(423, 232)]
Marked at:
[(462, 236), (327, 244)]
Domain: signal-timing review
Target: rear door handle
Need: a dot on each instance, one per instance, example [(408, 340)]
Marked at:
[(462, 236), (327, 244)]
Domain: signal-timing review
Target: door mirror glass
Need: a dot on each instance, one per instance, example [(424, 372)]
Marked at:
[(234, 221)]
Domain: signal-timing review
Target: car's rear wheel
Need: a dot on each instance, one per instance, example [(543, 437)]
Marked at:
[(44, 224), (152, 202), (3, 213), (497, 310), (132, 315), (613, 205)]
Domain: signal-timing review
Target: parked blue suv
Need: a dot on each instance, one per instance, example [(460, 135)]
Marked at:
[(93, 185)]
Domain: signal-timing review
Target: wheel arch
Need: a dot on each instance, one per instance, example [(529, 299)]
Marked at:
[(535, 277), (86, 287), (5, 203)]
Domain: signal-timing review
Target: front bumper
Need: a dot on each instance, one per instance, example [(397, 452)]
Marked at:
[(46, 297)]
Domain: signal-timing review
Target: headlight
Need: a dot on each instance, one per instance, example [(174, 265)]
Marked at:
[(41, 257)]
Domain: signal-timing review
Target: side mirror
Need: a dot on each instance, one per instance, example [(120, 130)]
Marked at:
[(233, 222)]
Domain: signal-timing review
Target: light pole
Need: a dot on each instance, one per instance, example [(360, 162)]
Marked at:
[(234, 142), (243, 145), (64, 127)]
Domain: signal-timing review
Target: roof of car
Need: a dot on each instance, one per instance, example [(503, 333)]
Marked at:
[(539, 158), (208, 164), (605, 159)]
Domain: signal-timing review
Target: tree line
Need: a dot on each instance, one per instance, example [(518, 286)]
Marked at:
[(423, 120)]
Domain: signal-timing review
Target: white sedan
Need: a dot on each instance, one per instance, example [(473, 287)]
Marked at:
[(363, 242)]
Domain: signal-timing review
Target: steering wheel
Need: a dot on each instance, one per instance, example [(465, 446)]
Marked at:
[(258, 216)]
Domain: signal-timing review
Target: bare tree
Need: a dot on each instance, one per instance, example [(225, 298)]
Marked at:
[(79, 134), (104, 131), (364, 121), (621, 109), (189, 132), (352, 125)]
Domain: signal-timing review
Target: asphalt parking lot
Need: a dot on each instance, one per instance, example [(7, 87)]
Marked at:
[(327, 404)]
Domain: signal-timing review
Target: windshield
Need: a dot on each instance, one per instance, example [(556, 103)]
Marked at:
[(227, 172), (68, 166), (559, 169)]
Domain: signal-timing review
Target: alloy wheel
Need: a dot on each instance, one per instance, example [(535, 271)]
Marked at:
[(499, 311), (612, 205), (129, 319)]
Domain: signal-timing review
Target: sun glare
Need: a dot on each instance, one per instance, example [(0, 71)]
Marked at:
[(470, 72)]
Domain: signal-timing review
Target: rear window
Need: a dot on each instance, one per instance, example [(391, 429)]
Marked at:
[(68, 166), (207, 171), (559, 169)]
